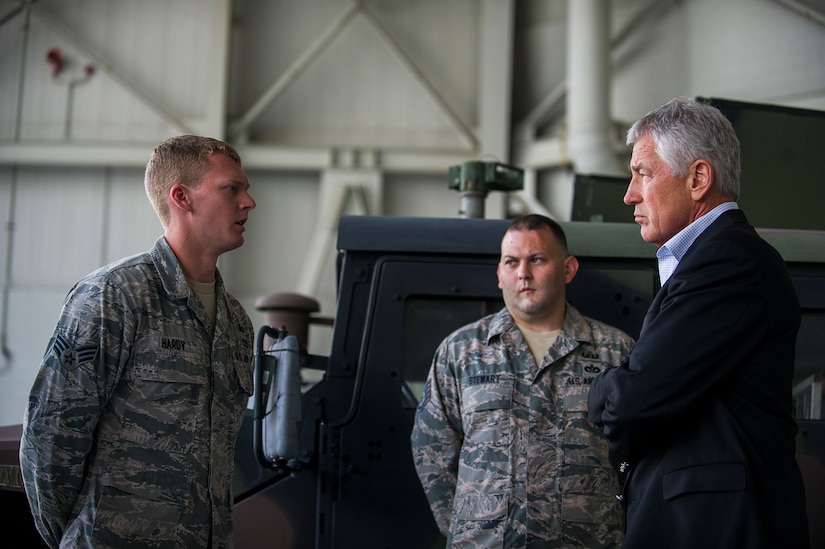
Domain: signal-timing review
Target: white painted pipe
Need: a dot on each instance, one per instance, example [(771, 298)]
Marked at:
[(588, 96)]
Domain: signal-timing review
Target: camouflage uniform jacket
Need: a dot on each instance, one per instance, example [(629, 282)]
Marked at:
[(129, 434), (503, 447)]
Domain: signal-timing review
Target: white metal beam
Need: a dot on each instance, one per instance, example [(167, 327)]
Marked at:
[(495, 77), (364, 188), (214, 114), (589, 78), (262, 157)]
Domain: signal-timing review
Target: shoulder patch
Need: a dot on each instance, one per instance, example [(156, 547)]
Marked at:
[(72, 357)]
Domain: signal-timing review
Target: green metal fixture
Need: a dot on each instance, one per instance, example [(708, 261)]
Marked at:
[(475, 179)]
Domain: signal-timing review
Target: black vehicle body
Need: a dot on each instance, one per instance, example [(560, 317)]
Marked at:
[(404, 284)]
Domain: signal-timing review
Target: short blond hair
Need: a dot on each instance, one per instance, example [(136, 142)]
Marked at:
[(182, 159)]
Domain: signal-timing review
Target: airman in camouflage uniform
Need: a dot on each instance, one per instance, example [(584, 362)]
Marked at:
[(130, 430), (501, 442)]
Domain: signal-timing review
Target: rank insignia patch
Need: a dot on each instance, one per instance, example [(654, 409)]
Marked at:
[(72, 357), (425, 398)]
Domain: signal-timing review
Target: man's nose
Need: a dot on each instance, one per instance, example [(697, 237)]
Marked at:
[(631, 195)]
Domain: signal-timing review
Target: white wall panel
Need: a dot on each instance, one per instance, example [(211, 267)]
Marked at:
[(169, 50), (776, 55), (130, 224), (32, 314), (651, 67), (749, 50), (277, 233), (44, 101), (58, 227), (158, 68)]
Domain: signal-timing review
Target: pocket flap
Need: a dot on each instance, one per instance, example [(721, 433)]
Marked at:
[(708, 477)]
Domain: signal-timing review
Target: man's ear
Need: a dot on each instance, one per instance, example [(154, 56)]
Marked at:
[(701, 179), (571, 267), (179, 197)]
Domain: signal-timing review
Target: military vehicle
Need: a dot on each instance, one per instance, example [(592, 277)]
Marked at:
[(336, 471), (333, 468)]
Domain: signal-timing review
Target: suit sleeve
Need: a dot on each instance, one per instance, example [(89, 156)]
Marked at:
[(701, 328)]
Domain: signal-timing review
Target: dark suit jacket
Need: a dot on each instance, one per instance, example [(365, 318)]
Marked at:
[(702, 410)]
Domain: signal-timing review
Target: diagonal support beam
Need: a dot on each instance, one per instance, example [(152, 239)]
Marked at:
[(294, 70), (11, 13), (305, 60), (465, 131)]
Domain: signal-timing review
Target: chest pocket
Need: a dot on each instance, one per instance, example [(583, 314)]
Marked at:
[(169, 375), (575, 398), (486, 401)]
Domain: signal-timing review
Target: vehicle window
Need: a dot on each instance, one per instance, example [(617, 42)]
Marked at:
[(810, 367), (427, 321)]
